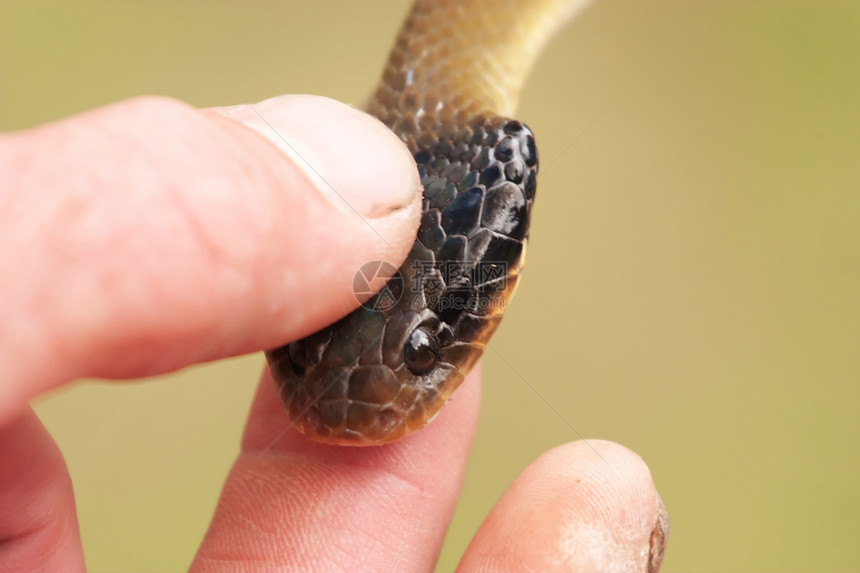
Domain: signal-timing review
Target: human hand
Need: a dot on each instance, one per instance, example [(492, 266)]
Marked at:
[(146, 236)]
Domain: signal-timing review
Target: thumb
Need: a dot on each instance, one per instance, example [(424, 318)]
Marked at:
[(148, 235)]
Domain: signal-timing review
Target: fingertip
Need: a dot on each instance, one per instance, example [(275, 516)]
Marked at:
[(353, 160), (181, 236), (583, 506)]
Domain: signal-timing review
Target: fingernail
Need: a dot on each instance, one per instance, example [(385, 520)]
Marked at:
[(356, 162), (657, 542)]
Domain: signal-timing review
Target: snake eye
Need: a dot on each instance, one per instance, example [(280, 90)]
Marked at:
[(420, 352)]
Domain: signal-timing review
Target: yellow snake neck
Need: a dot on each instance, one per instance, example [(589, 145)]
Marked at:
[(454, 60)]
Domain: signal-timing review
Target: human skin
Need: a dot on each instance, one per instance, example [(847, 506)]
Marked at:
[(146, 236)]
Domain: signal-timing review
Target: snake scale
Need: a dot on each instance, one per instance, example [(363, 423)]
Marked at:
[(451, 82)]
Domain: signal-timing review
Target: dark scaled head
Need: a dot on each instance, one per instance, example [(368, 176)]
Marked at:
[(387, 368)]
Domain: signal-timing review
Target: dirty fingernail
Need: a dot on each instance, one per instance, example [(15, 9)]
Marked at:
[(657, 544), (356, 162)]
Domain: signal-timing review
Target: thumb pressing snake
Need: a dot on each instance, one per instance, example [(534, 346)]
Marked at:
[(451, 82)]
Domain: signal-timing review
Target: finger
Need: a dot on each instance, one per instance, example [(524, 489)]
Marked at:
[(585, 507), (147, 235), (38, 527), (290, 504)]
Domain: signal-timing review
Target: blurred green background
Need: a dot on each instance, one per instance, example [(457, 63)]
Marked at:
[(693, 277)]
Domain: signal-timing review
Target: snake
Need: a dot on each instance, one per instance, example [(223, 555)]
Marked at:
[(450, 85)]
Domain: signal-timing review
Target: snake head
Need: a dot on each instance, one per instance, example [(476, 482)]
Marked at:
[(387, 368), (371, 378)]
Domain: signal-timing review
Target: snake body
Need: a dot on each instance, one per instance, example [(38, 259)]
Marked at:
[(452, 79)]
